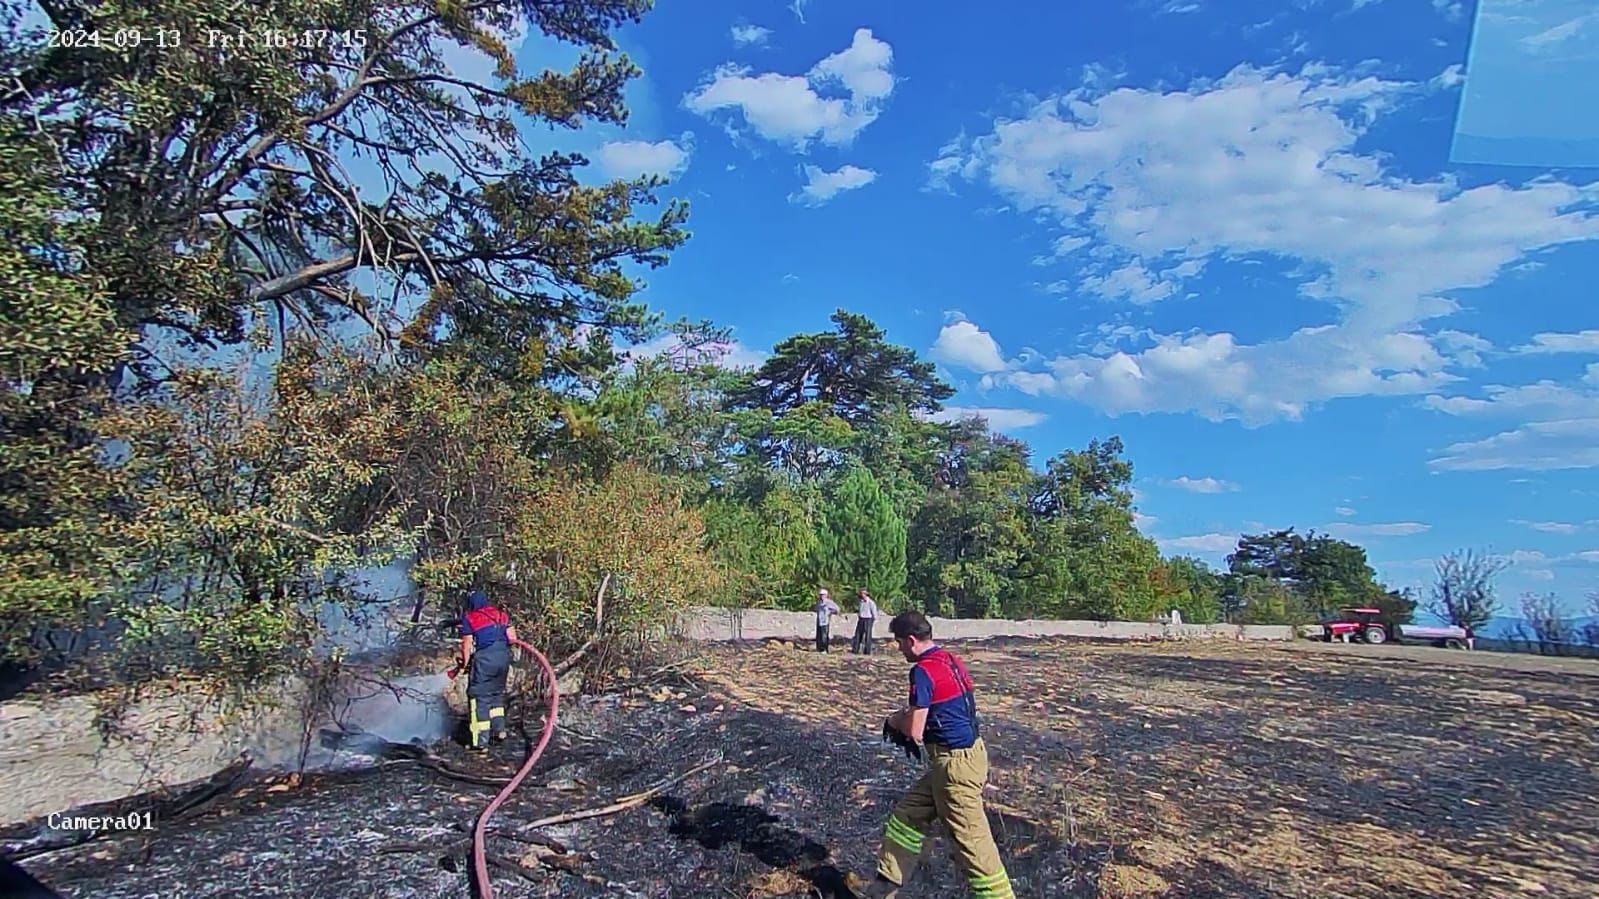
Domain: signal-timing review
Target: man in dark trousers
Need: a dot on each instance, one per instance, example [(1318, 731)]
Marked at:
[(486, 636), (865, 622), (825, 610), (941, 720)]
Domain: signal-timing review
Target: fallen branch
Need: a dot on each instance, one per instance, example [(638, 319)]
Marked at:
[(556, 847), (586, 736), (648, 678), (514, 867), (623, 804), (462, 776)]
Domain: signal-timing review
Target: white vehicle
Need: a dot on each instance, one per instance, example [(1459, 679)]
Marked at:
[(1446, 635)]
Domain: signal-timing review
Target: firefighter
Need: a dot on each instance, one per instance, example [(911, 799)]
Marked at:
[(486, 635), (941, 720)]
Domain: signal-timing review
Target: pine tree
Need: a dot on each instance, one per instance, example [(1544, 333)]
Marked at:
[(862, 540)]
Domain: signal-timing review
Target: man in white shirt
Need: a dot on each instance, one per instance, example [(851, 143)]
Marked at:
[(825, 610), (866, 619)]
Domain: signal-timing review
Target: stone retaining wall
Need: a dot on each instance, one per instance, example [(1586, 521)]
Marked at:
[(712, 624), (53, 758)]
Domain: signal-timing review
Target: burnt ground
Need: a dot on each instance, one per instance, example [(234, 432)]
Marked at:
[(1176, 770)]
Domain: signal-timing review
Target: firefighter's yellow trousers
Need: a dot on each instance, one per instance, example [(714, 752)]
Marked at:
[(951, 791)]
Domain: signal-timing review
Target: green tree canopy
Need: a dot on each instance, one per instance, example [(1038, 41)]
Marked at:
[(851, 371), (971, 533), (861, 542), (1322, 573)]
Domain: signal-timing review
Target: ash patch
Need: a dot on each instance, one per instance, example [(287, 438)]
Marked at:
[(1211, 771), (791, 811)]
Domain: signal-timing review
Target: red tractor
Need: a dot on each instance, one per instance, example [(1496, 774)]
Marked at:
[(1357, 624)]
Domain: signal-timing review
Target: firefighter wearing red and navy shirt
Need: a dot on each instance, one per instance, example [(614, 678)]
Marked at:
[(941, 717), (486, 635)]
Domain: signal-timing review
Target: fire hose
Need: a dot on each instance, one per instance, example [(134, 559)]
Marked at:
[(480, 866)]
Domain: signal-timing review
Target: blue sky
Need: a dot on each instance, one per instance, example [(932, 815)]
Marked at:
[(1231, 234)]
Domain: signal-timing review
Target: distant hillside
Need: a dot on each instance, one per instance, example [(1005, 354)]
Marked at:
[(1505, 627), (1512, 628)]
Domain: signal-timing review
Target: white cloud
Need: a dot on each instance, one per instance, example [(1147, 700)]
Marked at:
[(1557, 426), (791, 110), (1202, 485), (949, 164), (636, 158), (1344, 511), (821, 186), (1462, 349), (1551, 38), (1143, 173), (1550, 342), (998, 419), (1111, 336), (750, 35), (1144, 522), (1449, 9), (1540, 574), (1522, 556), (1180, 7), (1350, 531), (1205, 543), (1549, 527), (1544, 400), (797, 7), (1137, 284), (1536, 446), (731, 355), (963, 344)]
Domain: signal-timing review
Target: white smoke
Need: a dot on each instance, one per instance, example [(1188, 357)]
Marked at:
[(410, 710)]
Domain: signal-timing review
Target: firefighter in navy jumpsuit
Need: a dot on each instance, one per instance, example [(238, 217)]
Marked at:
[(486, 636)]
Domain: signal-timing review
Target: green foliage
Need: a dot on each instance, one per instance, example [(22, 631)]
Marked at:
[(764, 547), (1088, 559), (665, 412), (163, 204), (1196, 590), (971, 533), (861, 541), (1323, 573), (633, 525), (1266, 600)]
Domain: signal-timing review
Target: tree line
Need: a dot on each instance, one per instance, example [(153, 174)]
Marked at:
[(237, 376)]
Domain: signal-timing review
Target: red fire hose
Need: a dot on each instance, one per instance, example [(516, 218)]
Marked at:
[(480, 864)]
